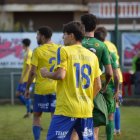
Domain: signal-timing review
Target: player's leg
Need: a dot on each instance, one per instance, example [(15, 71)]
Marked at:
[(60, 128), (74, 135), (19, 94), (37, 112), (111, 105), (110, 127), (52, 103), (117, 119), (84, 128), (117, 112), (28, 101), (41, 104), (36, 125), (96, 133)]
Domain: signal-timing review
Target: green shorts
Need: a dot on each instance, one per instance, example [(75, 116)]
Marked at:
[(110, 101)]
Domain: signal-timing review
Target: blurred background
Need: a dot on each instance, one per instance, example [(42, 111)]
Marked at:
[(21, 18)]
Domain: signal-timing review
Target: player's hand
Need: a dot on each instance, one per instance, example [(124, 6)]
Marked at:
[(103, 90), (21, 80), (27, 94), (44, 72), (116, 97)]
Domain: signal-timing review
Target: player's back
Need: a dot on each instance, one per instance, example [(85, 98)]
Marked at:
[(98, 48), (111, 47), (75, 92), (27, 61), (44, 56)]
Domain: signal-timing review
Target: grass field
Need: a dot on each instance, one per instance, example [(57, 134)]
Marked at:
[(14, 127)]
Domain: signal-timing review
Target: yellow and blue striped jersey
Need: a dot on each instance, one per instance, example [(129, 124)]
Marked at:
[(75, 92), (44, 56)]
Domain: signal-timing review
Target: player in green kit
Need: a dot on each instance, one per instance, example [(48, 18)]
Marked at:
[(101, 33), (112, 91), (99, 48)]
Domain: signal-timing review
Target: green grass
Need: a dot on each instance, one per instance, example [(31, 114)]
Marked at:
[(14, 127)]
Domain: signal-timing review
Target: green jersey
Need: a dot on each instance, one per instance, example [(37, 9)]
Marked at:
[(114, 65), (99, 48)]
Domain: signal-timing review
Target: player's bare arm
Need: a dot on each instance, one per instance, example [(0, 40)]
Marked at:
[(30, 80), (108, 75), (97, 86), (25, 73), (59, 74), (116, 83)]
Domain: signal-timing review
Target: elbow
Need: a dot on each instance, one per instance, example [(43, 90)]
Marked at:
[(60, 74), (32, 73), (116, 79), (109, 75), (60, 77), (99, 87)]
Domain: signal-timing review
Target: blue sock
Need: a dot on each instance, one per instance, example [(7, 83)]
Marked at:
[(28, 105), (36, 132), (22, 99), (117, 119)]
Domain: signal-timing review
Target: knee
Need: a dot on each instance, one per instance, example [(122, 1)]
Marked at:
[(18, 94), (36, 118), (111, 116)]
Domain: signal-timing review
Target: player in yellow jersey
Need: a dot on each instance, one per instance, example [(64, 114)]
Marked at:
[(24, 77), (45, 89), (101, 33), (78, 75)]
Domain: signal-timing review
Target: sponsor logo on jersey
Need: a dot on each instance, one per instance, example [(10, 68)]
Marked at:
[(61, 134), (87, 132)]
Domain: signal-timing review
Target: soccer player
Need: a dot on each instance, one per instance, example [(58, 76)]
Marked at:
[(24, 77), (45, 89), (78, 75), (112, 91), (99, 48), (101, 33)]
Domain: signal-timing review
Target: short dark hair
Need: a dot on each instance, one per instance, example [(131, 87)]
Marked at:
[(89, 21), (100, 33), (26, 42), (76, 28), (46, 31)]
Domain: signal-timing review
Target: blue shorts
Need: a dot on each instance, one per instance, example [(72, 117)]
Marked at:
[(61, 128), (44, 103), (22, 87)]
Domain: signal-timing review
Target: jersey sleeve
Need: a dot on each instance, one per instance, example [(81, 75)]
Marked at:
[(34, 60), (105, 57), (97, 69), (114, 61), (61, 59)]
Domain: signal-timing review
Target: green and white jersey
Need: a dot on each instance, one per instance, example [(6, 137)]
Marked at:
[(99, 48)]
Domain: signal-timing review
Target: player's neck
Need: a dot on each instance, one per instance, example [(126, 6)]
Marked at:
[(89, 34), (74, 42), (47, 41), (27, 49)]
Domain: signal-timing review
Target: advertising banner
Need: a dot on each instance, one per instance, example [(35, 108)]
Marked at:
[(130, 48), (11, 52)]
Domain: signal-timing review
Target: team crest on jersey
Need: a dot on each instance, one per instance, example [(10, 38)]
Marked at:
[(96, 44)]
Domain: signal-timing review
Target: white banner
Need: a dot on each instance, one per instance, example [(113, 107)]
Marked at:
[(130, 47), (11, 54)]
